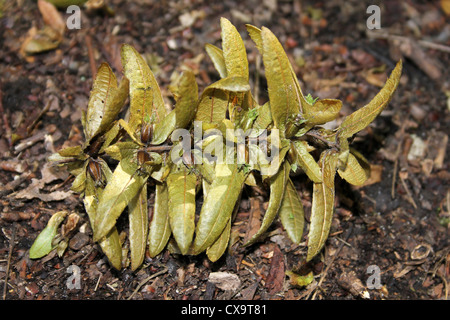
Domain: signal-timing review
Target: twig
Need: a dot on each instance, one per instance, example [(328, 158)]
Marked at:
[(159, 148), (5, 118), (11, 247), (324, 274), (408, 193), (44, 111), (88, 40), (394, 174), (146, 280), (423, 43)]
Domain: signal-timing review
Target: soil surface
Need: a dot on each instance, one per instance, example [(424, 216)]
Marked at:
[(389, 238)]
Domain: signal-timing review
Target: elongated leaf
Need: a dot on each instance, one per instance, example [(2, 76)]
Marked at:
[(234, 52), (307, 162), (361, 118), (145, 96), (164, 128), (105, 101), (284, 100), (322, 111), (71, 152), (322, 205), (218, 248), (291, 213), (124, 185), (184, 111), (218, 205), (159, 232), (186, 105), (43, 243), (357, 170), (216, 56), (255, 34), (264, 118), (214, 101), (112, 248), (138, 220), (181, 188), (277, 189), (110, 244)]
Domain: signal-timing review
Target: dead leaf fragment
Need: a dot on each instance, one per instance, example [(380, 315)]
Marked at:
[(225, 280)]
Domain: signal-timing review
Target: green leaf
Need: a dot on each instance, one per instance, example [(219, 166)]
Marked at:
[(145, 96), (159, 232), (309, 98), (181, 187), (277, 189), (105, 102), (284, 99), (322, 205), (234, 52), (298, 280), (124, 185), (138, 220), (361, 118), (43, 243), (218, 206), (358, 169), (218, 248), (291, 213), (306, 161), (216, 56)]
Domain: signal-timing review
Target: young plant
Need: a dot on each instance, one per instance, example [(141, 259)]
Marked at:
[(298, 119), (148, 146)]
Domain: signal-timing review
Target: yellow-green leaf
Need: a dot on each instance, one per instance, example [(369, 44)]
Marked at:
[(138, 220), (284, 99), (218, 206), (218, 248), (105, 102), (357, 170), (361, 118), (123, 186), (277, 189), (323, 111), (145, 96), (306, 161), (181, 187), (234, 52), (112, 248), (255, 34), (291, 213), (214, 101), (184, 111), (159, 232), (216, 56), (43, 243), (322, 205), (110, 244)]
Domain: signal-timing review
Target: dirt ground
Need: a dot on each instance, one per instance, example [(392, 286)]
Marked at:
[(389, 238)]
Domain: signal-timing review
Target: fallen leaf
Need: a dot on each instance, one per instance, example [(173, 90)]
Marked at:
[(275, 279), (51, 16), (225, 280)]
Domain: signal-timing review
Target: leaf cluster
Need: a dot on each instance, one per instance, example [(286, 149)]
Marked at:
[(140, 149)]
